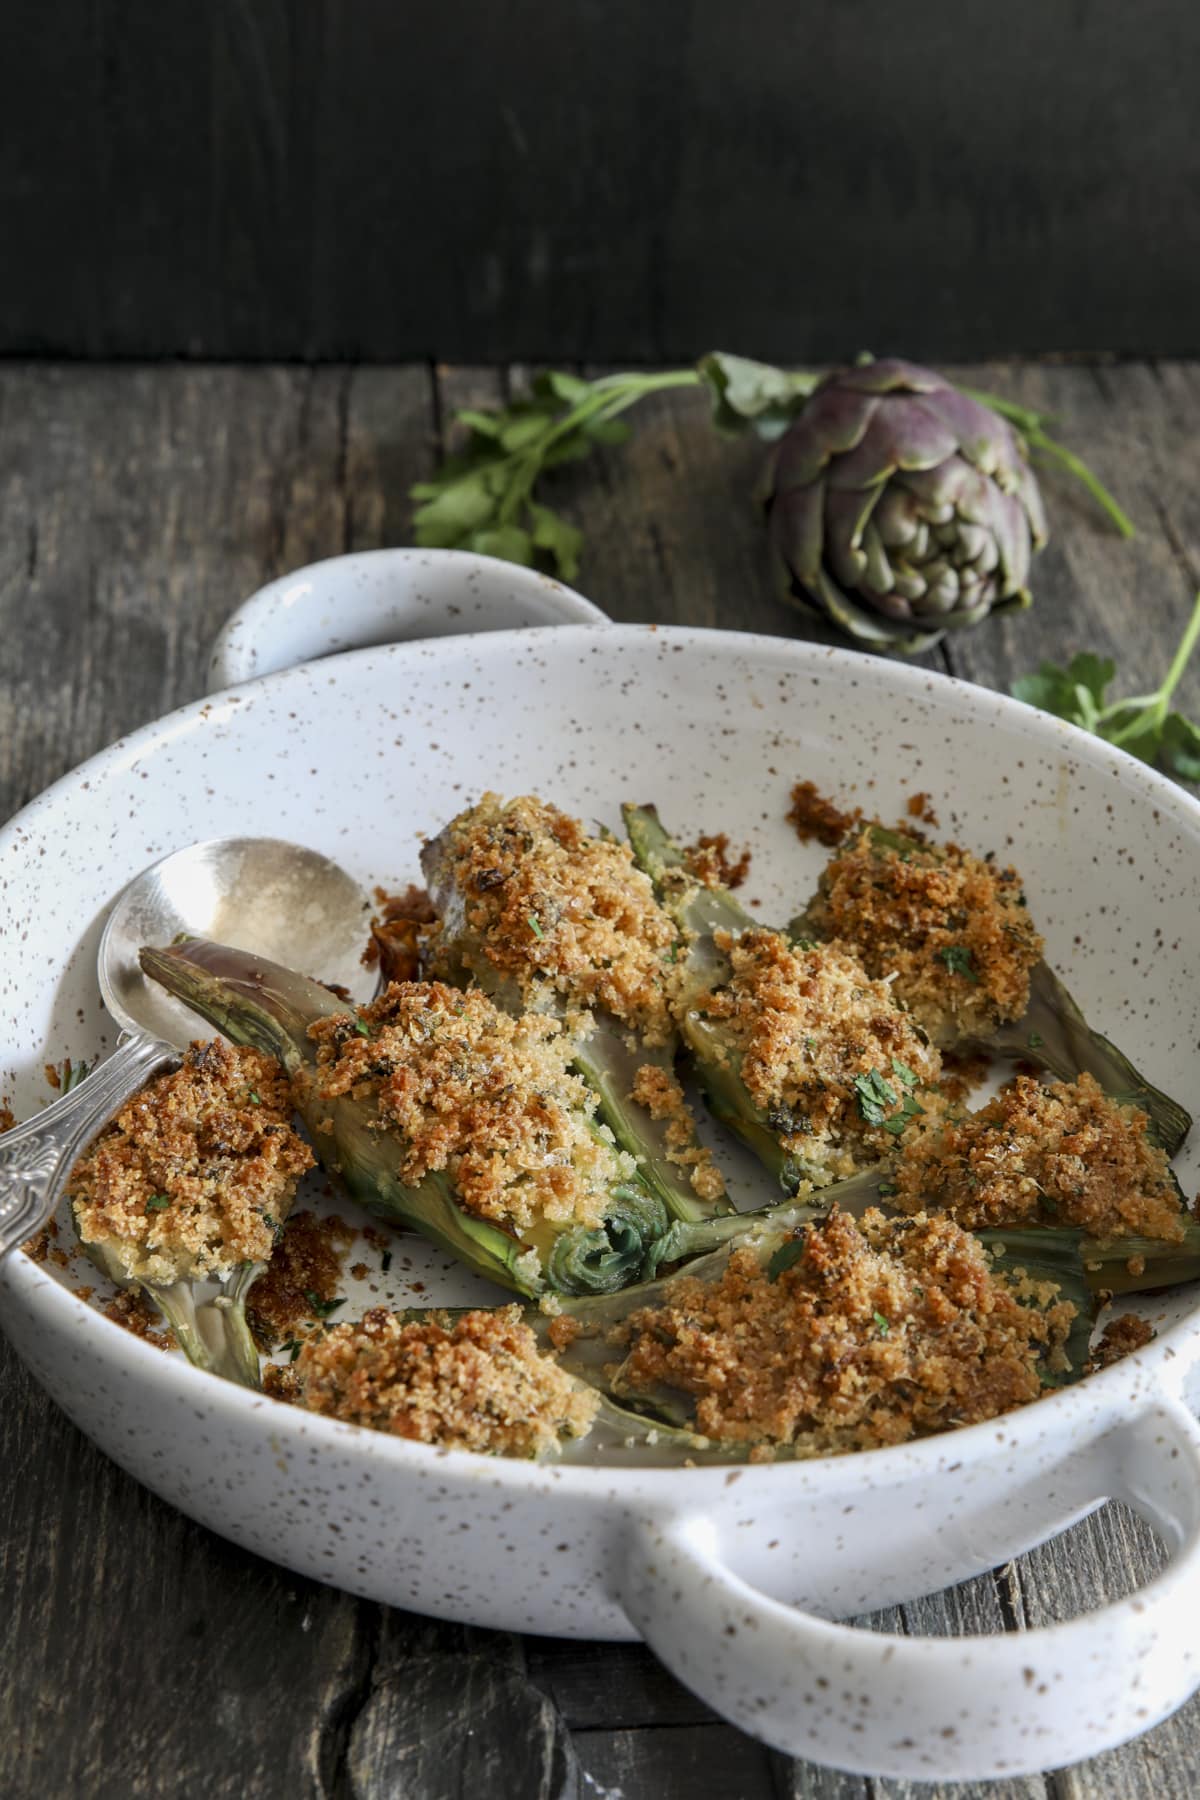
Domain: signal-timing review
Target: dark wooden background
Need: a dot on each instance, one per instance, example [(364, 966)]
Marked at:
[(617, 179)]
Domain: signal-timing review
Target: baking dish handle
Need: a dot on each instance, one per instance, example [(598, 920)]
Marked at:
[(384, 597), (965, 1708)]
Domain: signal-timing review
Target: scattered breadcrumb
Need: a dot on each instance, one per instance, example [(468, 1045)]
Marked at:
[(1059, 1152), (950, 929), (919, 806), (477, 1382), (659, 1091), (813, 816), (1119, 1338), (306, 1268), (398, 933), (962, 1072), (133, 1312), (197, 1171), (7, 1121), (489, 1098), (875, 1333), (547, 904), (825, 1051), (710, 862), (37, 1248)]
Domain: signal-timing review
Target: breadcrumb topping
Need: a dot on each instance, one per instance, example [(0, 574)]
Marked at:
[(659, 1091), (399, 931), (1060, 1152), (301, 1282), (812, 815), (951, 929), (877, 1332), (197, 1171), (552, 905), (478, 1382), (488, 1098), (1120, 1338), (710, 861), (816, 1038)]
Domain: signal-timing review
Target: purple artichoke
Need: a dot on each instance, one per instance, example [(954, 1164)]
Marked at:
[(900, 508)]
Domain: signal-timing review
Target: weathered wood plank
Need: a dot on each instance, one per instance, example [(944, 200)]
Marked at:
[(674, 1762)]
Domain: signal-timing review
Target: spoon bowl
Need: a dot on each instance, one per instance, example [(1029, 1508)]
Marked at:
[(285, 902)]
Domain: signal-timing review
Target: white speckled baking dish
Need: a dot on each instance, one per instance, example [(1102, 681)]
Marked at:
[(730, 1575)]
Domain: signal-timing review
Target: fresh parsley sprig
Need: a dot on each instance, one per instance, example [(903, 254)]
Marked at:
[(1142, 724), (486, 497)]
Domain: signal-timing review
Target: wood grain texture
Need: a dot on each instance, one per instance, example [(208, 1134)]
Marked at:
[(139, 1655), (365, 180)]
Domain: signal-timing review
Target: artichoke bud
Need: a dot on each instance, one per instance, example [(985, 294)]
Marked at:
[(899, 508)]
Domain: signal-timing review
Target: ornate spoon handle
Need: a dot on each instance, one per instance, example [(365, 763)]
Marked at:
[(36, 1158)]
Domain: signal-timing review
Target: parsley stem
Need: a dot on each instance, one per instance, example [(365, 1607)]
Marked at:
[(1032, 426), (1049, 446), (1186, 645)]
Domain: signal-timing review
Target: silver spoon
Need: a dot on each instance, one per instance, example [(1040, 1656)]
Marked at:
[(284, 902)]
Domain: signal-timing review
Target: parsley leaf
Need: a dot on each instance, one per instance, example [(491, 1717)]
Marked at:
[(788, 1254), (958, 960), (883, 1325), (158, 1202), (875, 1096), (1141, 724), (536, 928), (323, 1308)]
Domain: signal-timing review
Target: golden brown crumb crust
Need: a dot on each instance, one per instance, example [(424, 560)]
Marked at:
[(812, 815), (710, 861), (952, 930), (478, 1382), (551, 904), (488, 1098), (305, 1269), (1120, 1338), (197, 1171), (659, 1091), (881, 1331), (1060, 1152), (398, 933), (809, 1024)]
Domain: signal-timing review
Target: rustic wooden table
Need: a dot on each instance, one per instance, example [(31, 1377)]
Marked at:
[(142, 1656)]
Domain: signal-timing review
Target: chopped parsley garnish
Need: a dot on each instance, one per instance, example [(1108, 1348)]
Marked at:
[(536, 929), (909, 1110), (362, 1028), (254, 1099), (1036, 1040), (788, 1254), (323, 1308), (293, 1347), (158, 1202), (882, 1323), (875, 1097), (958, 960)]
